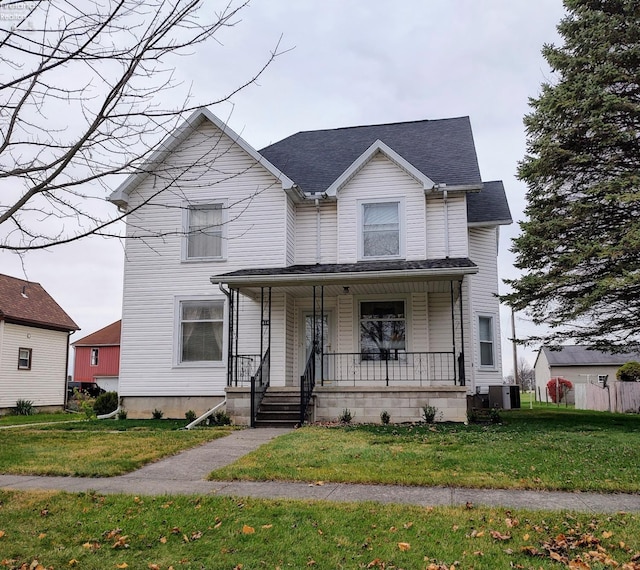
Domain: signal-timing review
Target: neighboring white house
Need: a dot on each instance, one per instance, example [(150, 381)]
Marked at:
[(34, 345), (377, 245), (578, 364)]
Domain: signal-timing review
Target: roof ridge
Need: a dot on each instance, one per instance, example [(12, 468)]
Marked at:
[(372, 125)]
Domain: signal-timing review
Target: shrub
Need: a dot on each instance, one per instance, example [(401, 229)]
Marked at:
[(24, 408), (629, 372), (429, 413), (190, 415), (558, 388), (157, 414), (346, 416), (220, 418), (385, 418), (122, 414), (106, 403)]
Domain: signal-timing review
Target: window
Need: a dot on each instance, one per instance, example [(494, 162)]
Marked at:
[(94, 357), (24, 359), (382, 329), (381, 230), (201, 331), (602, 379), (204, 232), (485, 327)]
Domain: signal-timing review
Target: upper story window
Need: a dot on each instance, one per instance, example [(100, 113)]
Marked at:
[(381, 230), (487, 342), (201, 330), (24, 358), (205, 232), (94, 356)]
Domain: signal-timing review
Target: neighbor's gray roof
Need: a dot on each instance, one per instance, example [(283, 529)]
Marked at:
[(441, 149), (581, 356)]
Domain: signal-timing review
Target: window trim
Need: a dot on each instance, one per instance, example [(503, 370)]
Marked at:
[(187, 207), (95, 351), (177, 334), (29, 358), (494, 354), (400, 201)]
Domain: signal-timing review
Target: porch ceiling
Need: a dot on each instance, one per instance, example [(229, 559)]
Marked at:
[(355, 278)]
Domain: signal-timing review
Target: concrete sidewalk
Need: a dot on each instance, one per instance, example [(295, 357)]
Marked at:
[(185, 473)]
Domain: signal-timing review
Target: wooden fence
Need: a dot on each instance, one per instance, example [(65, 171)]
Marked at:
[(621, 397)]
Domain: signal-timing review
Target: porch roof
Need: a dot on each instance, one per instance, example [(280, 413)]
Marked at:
[(349, 273)]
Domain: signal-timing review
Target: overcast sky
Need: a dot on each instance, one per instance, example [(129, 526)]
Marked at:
[(351, 62)]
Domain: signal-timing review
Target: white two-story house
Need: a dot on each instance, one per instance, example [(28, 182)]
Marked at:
[(350, 268)]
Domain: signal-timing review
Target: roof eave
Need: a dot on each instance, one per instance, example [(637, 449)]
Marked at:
[(341, 277), (120, 196), (490, 223)]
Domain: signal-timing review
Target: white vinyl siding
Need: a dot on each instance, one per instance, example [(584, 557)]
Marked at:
[(381, 180), (484, 288), (306, 231), (450, 238), (45, 382), (256, 236)]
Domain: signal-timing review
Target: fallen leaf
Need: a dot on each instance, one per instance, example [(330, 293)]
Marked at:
[(525, 537), (311, 562), (153, 566), (404, 546), (2, 533), (35, 565), (73, 562), (267, 526), (578, 565), (42, 535), (512, 522), (196, 535), (607, 534), (44, 512), (499, 536), (163, 539), (122, 566), (248, 529), (121, 542), (218, 524), (408, 525)]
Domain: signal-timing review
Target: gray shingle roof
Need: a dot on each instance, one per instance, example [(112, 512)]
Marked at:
[(362, 266), (489, 205), (581, 355), (441, 149)]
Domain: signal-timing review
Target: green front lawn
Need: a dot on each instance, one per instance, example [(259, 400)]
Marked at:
[(13, 420), (96, 448), (543, 448), (58, 530)]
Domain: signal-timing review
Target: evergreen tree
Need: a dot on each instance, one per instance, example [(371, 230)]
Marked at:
[(579, 249)]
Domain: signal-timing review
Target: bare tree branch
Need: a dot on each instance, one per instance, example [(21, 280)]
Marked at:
[(84, 101)]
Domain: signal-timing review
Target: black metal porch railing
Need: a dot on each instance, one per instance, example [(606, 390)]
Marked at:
[(399, 367), (244, 367), (259, 384), (307, 384)]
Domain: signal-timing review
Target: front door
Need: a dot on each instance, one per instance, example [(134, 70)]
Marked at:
[(323, 337)]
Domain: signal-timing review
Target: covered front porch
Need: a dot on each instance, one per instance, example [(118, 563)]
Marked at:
[(369, 337)]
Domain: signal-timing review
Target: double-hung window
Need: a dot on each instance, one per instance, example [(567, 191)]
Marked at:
[(380, 225), (94, 356), (487, 342), (24, 359), (205, 225), (382, 329), (201, 331)]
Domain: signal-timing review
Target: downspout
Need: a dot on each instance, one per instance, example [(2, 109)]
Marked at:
[(66, 370), (318, 232), (446, 223)]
